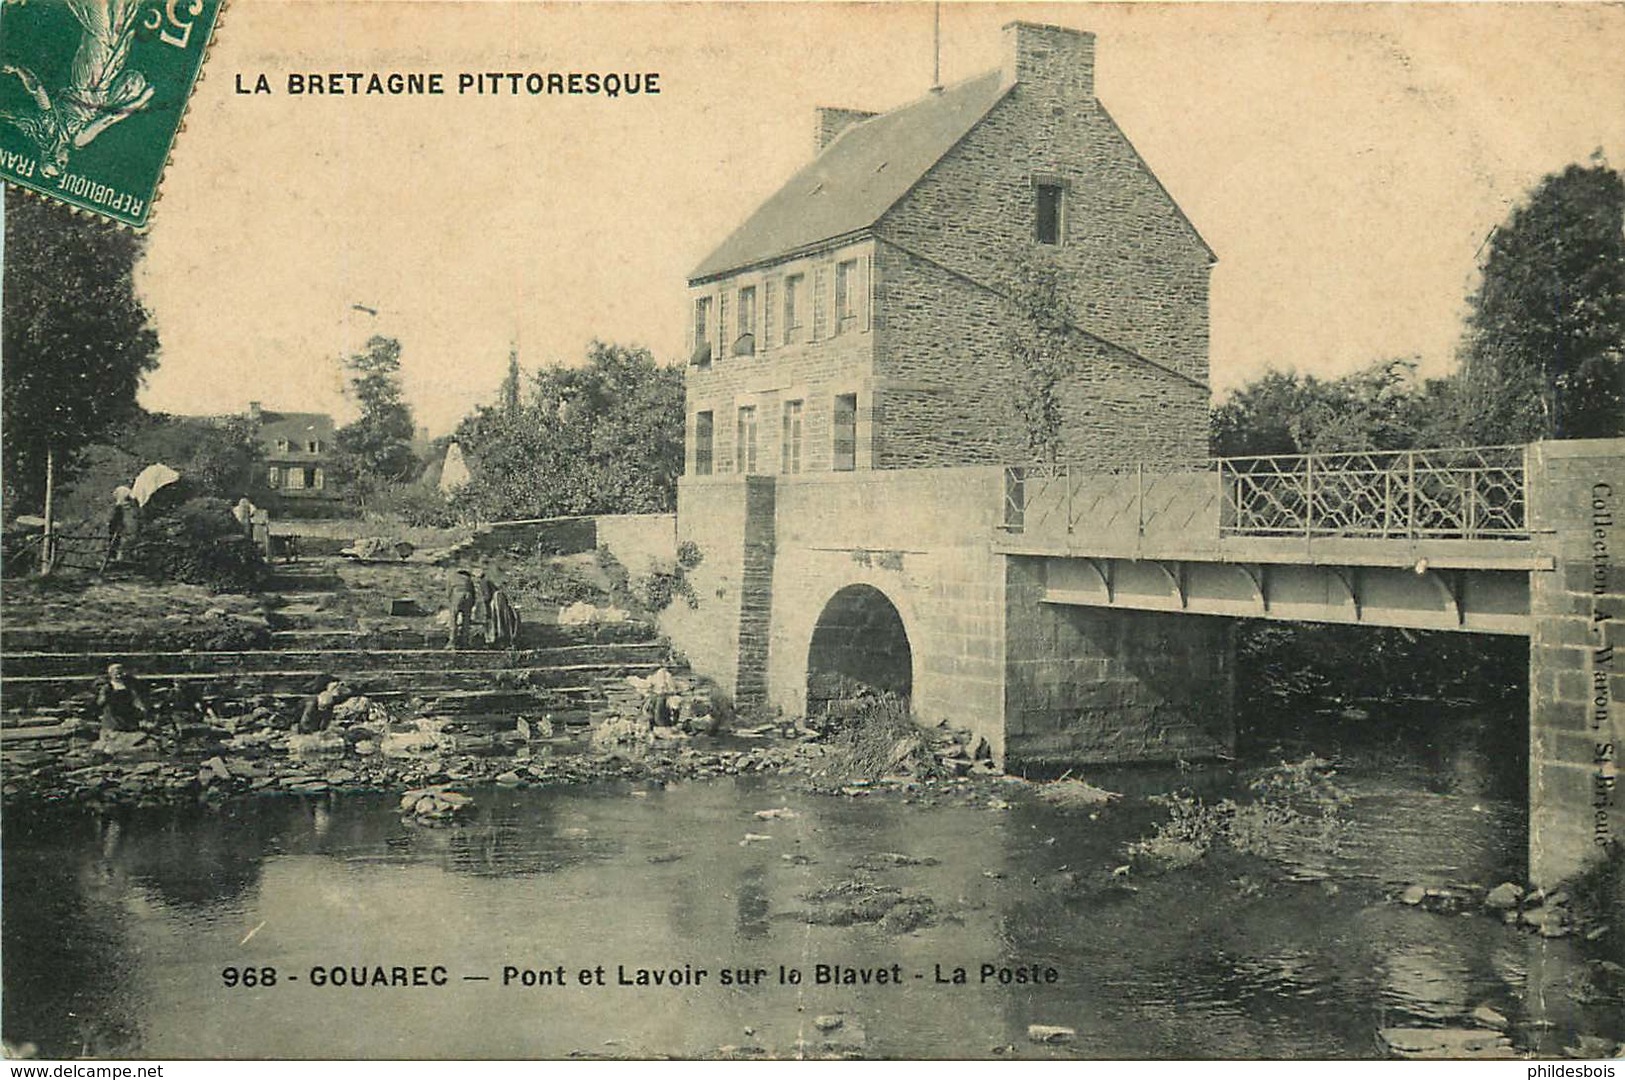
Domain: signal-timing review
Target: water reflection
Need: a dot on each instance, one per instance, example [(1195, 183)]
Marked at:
[(1226, 959)]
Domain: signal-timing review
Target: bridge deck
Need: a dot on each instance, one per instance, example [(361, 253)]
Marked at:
[(1433, 539)]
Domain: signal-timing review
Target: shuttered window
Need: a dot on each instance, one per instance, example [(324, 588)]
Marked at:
[(702, 444), (846, 433), (745, 443), (820, 318), (868, 292), (846, 292), (794, 286), (791, 452), (768, 322)]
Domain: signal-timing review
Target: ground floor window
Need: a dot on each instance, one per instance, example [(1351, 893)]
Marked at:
[(745, 444), (702, 444), (846, 433), (791, 462)]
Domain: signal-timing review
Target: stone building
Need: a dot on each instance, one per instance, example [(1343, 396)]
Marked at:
[(852, 393), (861, 317), (298, 449)]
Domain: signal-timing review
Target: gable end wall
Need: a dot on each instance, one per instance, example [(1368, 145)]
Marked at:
[(946, 251)]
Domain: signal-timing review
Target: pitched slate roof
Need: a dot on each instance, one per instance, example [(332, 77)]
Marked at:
[(297, 428), (858, 177)]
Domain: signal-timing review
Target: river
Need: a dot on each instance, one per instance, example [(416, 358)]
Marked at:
[(120, 932)]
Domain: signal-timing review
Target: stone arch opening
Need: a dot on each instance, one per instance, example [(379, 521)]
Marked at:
[(859, 645)]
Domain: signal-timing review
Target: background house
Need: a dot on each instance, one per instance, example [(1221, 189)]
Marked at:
[(298, 448)]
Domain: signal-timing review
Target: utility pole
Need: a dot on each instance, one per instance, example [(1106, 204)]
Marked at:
[(936, 47)]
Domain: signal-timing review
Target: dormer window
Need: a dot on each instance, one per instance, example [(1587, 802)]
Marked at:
[(1049, 212)]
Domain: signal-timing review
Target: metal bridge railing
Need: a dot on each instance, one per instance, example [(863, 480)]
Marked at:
[(1466, 493), (1469, 493)]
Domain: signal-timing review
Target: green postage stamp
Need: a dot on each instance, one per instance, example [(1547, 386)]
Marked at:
[(92, 93)]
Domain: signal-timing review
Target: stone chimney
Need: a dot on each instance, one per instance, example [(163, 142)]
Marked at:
[(254, 411), (1059, 60), (831, 122)]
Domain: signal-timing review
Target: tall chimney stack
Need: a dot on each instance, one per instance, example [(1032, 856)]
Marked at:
[(1056, 60), (831, 122)]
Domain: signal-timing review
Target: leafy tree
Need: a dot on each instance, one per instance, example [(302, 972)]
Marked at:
[(1381, 407), (216, 458), (511, 385), (603, 438), (76, 341), (1544, 352), (377, 447), (1037, 342)]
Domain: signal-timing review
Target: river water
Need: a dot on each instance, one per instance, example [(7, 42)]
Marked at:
[(119, 931)]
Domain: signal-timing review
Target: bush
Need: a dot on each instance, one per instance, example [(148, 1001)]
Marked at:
[(414, 505), (882, 740), (664, 583), (1294, 806), (536, 584), (198, 543), (613, 571)]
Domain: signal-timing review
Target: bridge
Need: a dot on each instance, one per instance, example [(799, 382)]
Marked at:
[(1425, 539), (1071, 615)]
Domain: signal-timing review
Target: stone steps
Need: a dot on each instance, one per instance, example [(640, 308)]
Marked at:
[(485, 702), (20, 665), (28, 689), (571, 673), (423, 635)]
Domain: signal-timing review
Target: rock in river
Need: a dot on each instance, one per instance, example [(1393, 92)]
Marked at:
[(1451, 1043)]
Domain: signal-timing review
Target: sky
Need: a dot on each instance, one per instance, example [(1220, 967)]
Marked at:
[(1346, 163)]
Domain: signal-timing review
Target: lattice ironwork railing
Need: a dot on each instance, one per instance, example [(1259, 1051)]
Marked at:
[(1468, 493), (1121, 501)]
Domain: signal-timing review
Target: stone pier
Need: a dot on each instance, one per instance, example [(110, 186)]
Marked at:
[(1576, 494)]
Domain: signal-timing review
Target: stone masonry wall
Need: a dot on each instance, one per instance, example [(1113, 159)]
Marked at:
[(638, 540), (945, 393), (1576, 493), (921, 538), (755, 591), (1140, 271), (711, 512), (1088, 685), (820, 363)]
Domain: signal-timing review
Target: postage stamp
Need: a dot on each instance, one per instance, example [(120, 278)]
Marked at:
[(93, 93)]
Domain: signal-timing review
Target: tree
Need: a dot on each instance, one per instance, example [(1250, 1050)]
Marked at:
[(1380, 407), (603, 438), (216, 458), (377, 447), (511, 384), (77, 343), (1544, 351)]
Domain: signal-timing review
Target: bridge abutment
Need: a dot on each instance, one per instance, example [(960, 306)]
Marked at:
[(1576, 493), (1090, 685)]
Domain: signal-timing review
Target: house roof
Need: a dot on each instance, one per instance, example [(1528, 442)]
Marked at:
[(858, 176), (297, 428)]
